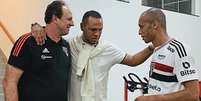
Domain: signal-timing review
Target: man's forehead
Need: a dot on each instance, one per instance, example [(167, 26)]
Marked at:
[(94, 20), (67, 11)]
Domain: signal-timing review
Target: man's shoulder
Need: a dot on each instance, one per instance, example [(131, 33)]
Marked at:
[(180, 48), (108, 46), (25, 38)]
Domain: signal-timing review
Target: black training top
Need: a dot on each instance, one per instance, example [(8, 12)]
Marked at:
[(46, 69)]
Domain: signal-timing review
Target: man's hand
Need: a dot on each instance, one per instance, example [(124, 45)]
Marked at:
[(38, 33)]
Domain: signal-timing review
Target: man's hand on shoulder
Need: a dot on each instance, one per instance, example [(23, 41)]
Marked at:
[(38, 32)]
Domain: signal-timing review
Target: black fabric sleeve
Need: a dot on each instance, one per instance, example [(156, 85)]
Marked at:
[(19, 56)]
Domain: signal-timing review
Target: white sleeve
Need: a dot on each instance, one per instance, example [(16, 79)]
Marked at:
[(116, 54), (185, 67)]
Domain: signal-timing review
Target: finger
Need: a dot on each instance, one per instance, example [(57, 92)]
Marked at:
[(33, 34), (37, 41), (42, 37), (40, 41)]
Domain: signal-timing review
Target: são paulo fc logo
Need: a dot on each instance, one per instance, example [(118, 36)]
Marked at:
[(186, 65)]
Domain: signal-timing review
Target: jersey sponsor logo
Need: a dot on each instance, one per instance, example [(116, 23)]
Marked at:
[(160, 57), (187, 72), (44, 57), (170, 49), (154, 87), (45, 51), (186, 65)]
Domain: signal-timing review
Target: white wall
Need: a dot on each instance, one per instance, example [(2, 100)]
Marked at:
[(121, 28), (17, 16)]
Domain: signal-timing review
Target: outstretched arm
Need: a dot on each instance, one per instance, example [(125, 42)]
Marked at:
[(138, 58), (190, 93)]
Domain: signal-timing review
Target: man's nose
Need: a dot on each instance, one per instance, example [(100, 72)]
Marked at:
[(71, 23), (140, 32), (97, 33)]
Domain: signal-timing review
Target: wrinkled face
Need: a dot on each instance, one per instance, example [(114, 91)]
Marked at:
[(65, 22), (92, 29), (146, 30)]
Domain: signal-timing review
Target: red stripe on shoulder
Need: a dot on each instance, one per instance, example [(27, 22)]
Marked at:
[(20, 43)]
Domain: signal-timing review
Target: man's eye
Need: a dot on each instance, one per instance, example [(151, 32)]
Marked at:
[(93, 30)]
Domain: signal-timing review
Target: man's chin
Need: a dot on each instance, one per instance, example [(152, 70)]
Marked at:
[(93, 42), (65, 33), (146, 41)]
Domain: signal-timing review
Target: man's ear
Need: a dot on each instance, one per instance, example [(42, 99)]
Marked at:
[(155, 24), (54, 18), (82, 26)]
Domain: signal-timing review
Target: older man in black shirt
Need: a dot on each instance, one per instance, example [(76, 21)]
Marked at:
[(41, 73)]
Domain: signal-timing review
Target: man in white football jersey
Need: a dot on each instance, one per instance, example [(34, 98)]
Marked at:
[(173, 74)]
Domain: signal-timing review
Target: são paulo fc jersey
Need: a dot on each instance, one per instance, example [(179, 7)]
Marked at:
[(172, 64)]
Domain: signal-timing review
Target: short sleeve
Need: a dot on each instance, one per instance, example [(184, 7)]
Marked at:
[(116, 54), (185, 67), (19, 56)]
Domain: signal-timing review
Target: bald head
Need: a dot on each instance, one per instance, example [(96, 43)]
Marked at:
[(155, 15)]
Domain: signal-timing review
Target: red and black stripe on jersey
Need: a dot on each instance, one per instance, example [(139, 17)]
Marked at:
[(162, 77), (18, 45)]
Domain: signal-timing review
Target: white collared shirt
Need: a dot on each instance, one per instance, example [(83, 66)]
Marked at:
[(101, 64)]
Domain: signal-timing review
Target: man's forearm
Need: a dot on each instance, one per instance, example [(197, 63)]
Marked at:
[(138, 58), (142, 56), (10, 82), (10, 91), (190, 93), (178, 96)]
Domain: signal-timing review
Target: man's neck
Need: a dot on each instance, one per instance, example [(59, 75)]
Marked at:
[(52, 33), (161, 39)]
